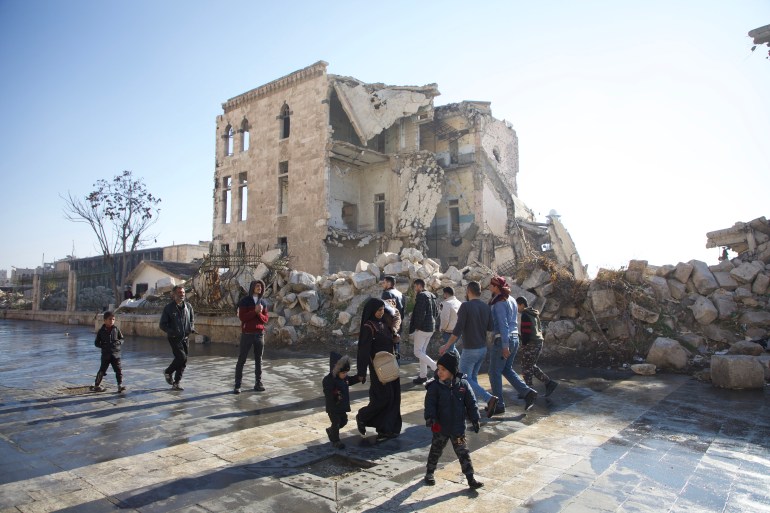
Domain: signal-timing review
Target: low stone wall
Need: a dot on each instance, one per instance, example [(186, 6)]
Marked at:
[(226, 330)]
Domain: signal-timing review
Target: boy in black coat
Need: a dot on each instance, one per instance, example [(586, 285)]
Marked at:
[(337, 394), (109, 339), (448, 399)]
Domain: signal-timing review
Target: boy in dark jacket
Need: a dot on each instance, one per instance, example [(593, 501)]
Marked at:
[(448, 400), (531, 345), (109, 339), (337, 395)]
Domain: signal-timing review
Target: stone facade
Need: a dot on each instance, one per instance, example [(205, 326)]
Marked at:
[(332, 171)]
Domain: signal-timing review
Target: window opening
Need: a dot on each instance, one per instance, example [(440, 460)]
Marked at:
[(283, 187), (243, 194), (283, 245), (350, 215), (454, 152), (379, 212), (229, 140), (245, 135), (240, 248), (227, 184), (224, 249), (285, 120), (454, 216)]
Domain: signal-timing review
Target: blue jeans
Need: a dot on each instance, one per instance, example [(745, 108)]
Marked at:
[(499, 367), (470, 364), (452, 348)]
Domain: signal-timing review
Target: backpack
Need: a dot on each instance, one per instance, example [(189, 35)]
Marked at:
[(386, 366)]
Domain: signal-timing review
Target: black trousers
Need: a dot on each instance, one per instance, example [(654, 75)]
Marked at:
[(110, 359), (249, 340), (180, 349), (458, 444), (339, 420)]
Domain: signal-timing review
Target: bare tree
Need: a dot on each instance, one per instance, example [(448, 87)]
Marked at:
[(119, 212)]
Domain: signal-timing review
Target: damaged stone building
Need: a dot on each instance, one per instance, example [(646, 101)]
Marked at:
[(332, 171)]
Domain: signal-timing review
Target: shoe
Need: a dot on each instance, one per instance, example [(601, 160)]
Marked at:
[(97, 388), (473, 484), (429, 479), (259, 387), (361, 428), (168, 378), (499, 410), (177, 386), (121, 387), (419, 381), (530, 400), (237, 390), (550, 387), (338, 445), (381, 437), (491, 406)]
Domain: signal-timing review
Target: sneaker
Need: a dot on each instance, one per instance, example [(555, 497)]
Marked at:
[(381, 437), (259, 387), (429, 479), (419, 381), (121, 387), (338, 445), (530, 400), (168, 378), (550, 387), (473, 484), (177, 386), (499, 410), (237, 390), (361, 428), (491, 406), (97, 388)]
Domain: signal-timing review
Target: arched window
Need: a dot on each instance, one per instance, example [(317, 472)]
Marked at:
[(229, 140), (284, 119), (245, 135)]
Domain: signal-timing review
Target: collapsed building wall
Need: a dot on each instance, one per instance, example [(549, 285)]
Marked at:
[(334, 170)]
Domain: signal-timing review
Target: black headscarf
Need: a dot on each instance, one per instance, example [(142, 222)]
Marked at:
[(370, 308)]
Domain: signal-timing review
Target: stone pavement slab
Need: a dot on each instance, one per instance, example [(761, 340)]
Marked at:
[(606, 441)]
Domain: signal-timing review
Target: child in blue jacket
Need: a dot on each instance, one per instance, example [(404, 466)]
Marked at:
[(448, 399)]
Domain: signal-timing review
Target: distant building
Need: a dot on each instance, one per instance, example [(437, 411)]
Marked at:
[(333, 170), (150, 275)]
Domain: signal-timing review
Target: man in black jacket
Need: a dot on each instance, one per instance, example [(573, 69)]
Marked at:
[(422, 325), (177, 321)]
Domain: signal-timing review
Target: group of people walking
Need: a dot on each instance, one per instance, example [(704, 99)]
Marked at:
[(453, 392)]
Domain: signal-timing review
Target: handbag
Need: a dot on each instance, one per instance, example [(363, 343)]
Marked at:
[(386, 366)]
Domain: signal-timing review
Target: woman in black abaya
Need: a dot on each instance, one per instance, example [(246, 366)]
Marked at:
[(384, 409)]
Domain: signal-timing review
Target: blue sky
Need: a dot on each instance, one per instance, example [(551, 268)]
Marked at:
[(644, 124)]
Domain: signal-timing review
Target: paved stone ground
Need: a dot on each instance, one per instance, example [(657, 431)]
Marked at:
[(605, 442)]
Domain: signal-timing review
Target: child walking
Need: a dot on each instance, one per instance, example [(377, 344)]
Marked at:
[(109, 339), (337, 394), (448, 400)]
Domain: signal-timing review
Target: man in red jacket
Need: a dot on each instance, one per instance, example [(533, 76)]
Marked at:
[(252, 311)]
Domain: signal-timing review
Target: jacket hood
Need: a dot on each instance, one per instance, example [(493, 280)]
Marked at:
[(338, 363), (253, 284), (533, 311)]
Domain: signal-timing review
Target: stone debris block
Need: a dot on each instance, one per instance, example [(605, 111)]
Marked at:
[(361, 266), (271, 256), (337, 333), (287, 335), (561, 329), (578, 340), (300, 281), (643, 314), (363, 280), (412, 255), (343, 291), (677, 289), (396, 268), (737, 372), (726, 280), (702, 278), (344, 317), (537, 278), (758, 318), (725, 304), (718, 334), (432, 266), (745, 273), (667, 353), (644, 369), (454, 274), (660, 287), (309, 300), (296, 320), (704, 310), (695, 341), (664, 271), (290, 300), (635, 272), (746, 347), (761, 283), (318, 321), (682, 272), (385, 258), (603, 303)]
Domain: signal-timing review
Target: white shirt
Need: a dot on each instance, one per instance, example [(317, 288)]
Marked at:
[(448, 316)]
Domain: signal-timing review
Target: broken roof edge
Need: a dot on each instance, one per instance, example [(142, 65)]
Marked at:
[(761, 35), (314, 70), (430, 90)]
